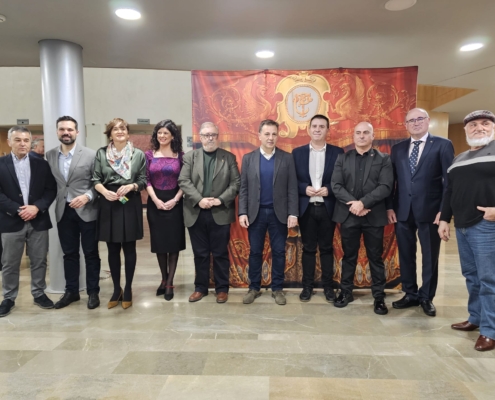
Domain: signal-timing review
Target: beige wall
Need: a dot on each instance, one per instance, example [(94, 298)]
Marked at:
[(458, 137), (439, 121)]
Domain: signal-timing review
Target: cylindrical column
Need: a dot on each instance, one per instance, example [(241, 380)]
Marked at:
[(62, 91)]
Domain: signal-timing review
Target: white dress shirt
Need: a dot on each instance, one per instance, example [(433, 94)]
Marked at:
[(316, 168), (23, 172), (421, 146)]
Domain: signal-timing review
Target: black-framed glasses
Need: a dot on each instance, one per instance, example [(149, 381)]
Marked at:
[(414, 120), (209, 136)]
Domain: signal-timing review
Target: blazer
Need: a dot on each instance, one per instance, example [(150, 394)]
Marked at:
[(424, 191), (301, 161), (78, 183), (377, 185), (285, 199), (42, 192), (225, 186)]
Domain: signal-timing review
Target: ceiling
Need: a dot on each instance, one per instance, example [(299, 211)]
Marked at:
[(309, 34)]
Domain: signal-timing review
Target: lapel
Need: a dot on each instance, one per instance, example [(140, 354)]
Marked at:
[(369, 161), (52, 158), (352, 168), (34, 173), (11, 168), (424, 154), (198, 164), (305, 163), (328, 157), (256, 156), (403, 156), (278, 161), (219, 162), (75, 160)]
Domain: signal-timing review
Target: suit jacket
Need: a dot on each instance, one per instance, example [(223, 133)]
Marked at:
[(301, 161), (42, 192), (425, 190), (284, 186), (225, 186), (377, 185), (78, 182)]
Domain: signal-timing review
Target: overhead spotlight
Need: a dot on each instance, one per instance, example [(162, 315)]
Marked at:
[(471, 47), (399, 5), (265, 54), (128, 13), (3, 18)]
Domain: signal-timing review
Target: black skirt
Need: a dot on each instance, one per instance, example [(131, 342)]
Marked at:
[(120, 223), (167, 231)]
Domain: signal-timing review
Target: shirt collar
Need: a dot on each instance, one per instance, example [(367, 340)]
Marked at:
[(423, 139), (70, 152), (265, 154), (14, 157), (324, 148)]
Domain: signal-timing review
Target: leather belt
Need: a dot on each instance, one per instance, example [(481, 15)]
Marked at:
[(317, 203)]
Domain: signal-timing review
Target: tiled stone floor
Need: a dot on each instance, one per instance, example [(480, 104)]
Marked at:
[(177, 350)]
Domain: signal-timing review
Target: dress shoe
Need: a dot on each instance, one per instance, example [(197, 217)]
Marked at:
[(66, 299), (251, 295), (405, 302), (279, 297), (428, 308), (344, 298), (93, 301), (6, 307), (161, 289), (197, 296), (126, 302), (169, 293), (329, 295), (484, 343), (115, 303), (222, 297), (464, 326), (306, 294), (380, 307), (44, 302)]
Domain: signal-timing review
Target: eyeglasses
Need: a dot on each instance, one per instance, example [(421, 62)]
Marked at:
[(414, 120), (210, 136)]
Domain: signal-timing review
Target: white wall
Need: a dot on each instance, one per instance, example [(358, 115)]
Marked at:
[(109, 93)]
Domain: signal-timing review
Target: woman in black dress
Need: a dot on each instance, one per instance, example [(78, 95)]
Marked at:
[(165, 218)]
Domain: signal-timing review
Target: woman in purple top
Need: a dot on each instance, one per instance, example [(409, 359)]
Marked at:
[(165, 218)]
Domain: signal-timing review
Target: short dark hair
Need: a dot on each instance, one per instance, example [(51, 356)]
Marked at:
[(320, 116), (269, 122), (176, 143), (66, 118), (115, 122)]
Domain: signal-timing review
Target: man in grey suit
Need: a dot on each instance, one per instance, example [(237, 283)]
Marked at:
[(268, 201), (210, 181), (76, 213)]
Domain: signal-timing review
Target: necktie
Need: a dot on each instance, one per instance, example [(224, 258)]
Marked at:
[(413, 158)]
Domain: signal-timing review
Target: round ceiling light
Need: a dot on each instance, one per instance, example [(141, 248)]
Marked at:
[(3, 18), (399, 5), (265, 54), (128, 13), (471, 47)]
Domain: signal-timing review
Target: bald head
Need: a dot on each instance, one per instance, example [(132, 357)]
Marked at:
[(363, 136)]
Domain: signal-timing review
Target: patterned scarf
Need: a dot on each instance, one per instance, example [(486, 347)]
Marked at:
[(120, 162)]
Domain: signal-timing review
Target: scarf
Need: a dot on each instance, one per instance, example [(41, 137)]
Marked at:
[(120, 162)]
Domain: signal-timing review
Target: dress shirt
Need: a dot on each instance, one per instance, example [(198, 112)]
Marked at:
[(421, 146), (64, 162), (316, 168), (23, 172), (266, 155), (360, 167)]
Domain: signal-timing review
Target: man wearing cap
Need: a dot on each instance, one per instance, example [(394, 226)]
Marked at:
[(470, 197)]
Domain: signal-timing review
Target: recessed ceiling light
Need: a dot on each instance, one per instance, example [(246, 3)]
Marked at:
[(472, 46), (265, 54), (3, 18), (128, 13), (399, 5)]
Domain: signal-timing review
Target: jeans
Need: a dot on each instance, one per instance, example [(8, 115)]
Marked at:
[(267, 221), (476, 246)]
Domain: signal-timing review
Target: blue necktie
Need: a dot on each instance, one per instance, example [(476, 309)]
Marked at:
[(413, 158)]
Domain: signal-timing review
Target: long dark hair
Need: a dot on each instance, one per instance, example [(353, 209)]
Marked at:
[(175, 144)]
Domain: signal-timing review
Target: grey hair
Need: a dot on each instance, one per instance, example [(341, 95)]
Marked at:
[(18, 128), (205, 124), (35, 143)]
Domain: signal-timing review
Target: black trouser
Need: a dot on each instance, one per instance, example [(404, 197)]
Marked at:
[(317, 229), (350, 232), (73, 233), (207, 237), (1, 251)]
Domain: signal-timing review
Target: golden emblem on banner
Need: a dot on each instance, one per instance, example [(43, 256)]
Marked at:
[(302, 98)]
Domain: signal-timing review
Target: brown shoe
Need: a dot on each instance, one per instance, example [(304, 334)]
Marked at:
[(197, 296), (222, 297), (464, 326), (484, 344)]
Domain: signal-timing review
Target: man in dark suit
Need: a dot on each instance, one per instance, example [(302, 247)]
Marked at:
[(27, 188), (420, 169), (314, 167), (267, 202), (37, 148), (210, 181), (362, 180), (76, 212)]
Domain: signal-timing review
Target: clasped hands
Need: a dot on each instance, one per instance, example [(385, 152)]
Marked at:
[(357, 208), (122, 191), (208, 202), (28, 212), (312, 192)]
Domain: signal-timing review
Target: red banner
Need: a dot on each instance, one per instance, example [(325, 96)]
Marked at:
[(236, 101)]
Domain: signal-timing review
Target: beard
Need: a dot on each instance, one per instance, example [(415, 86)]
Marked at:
[(479, 142), (66, 140)]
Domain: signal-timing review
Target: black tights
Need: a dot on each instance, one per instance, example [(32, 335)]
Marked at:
[(115, 264), (170, 260)]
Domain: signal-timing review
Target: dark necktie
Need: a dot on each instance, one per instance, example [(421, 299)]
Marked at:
[(413, 158)]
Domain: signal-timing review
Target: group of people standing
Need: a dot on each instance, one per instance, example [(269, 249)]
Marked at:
[(418, 187)]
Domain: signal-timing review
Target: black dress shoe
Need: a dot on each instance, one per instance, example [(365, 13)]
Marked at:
[(44, 301), (405, 302), (329, 295), (6, 307), (66, 299), (306, 294), (428, 308), (93, 301), (343, 299), (380, 307)]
